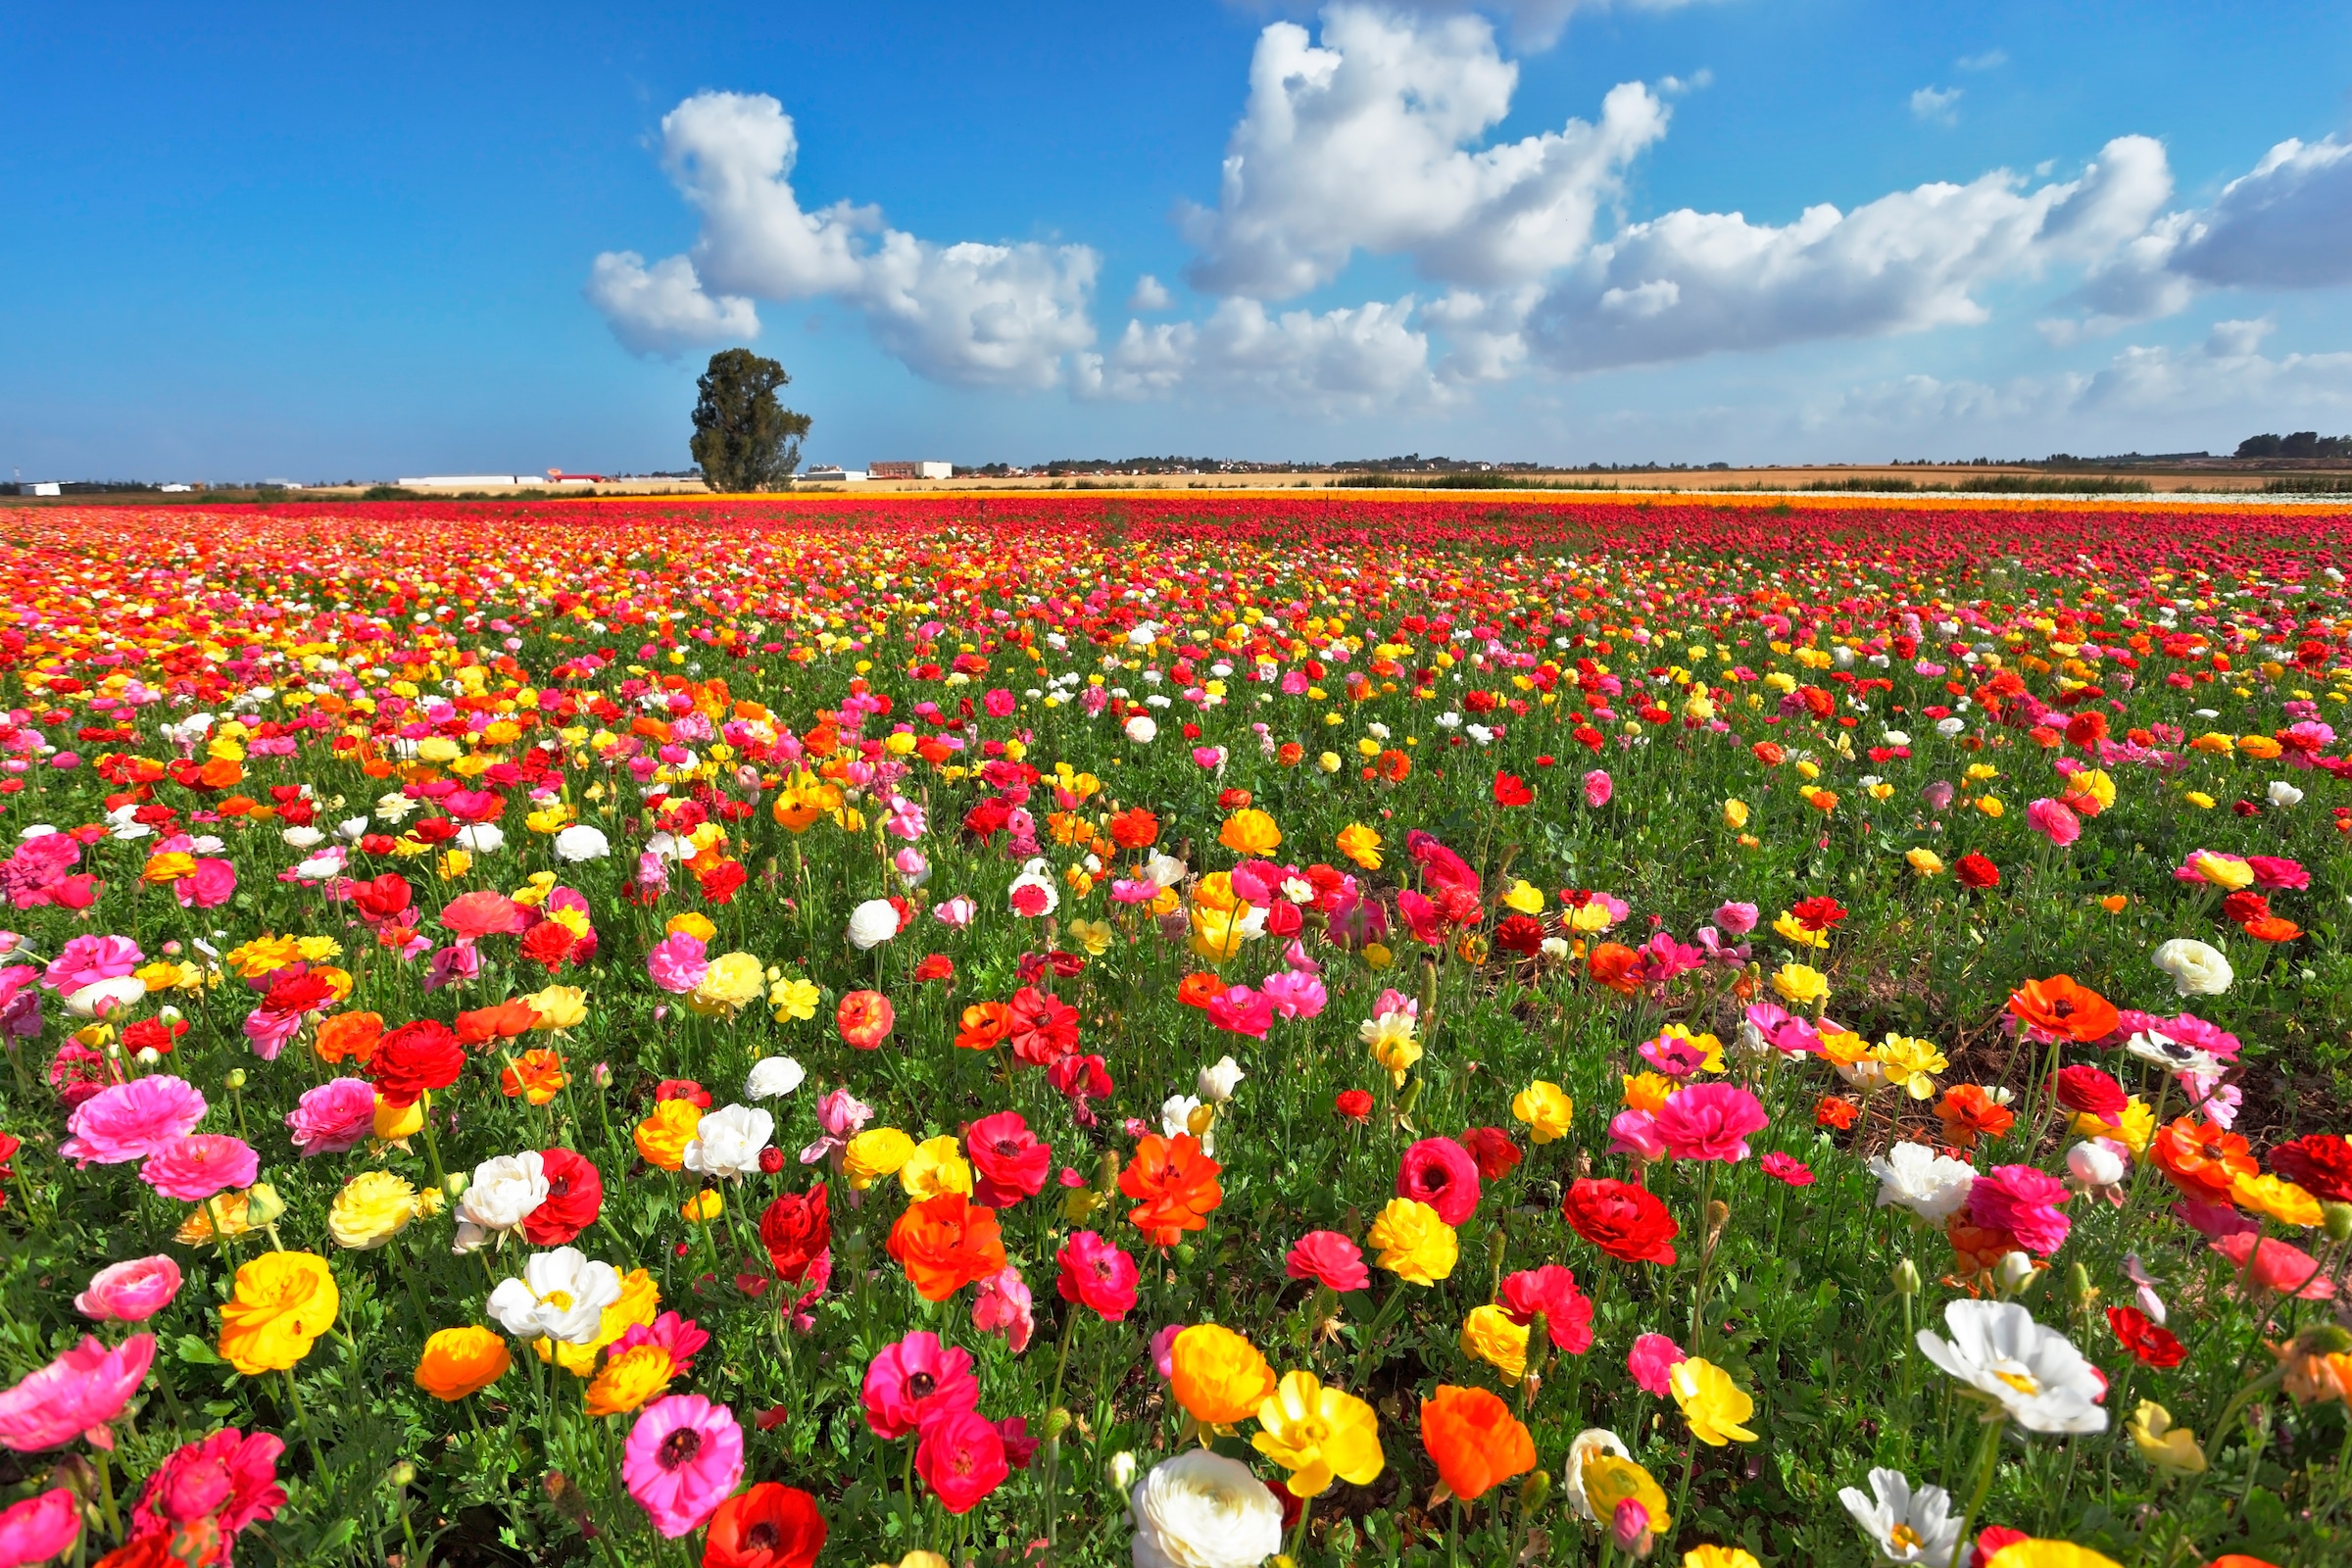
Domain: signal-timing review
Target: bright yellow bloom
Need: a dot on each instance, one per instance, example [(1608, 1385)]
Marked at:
[(732, 980), (1926, 862), (629, 1380), (1489, 1335), (1713, 1404), (2048, 1554), (703, 1206), (1391, 1037), (1094, 936), (1361, 844), (1250, 831), (2277, 1197), (559, 1007), (1546, 1109), (874, 1154), (2230, 876), (1318, 1435), (1217, 934), (1413, 1244), (935, 1166), (1217, 1375), (1525, 896), (1648, 1091), (1801, 983), (697, 926), (661, 1138), (2165, 1447), (1610, 1480), (282, 1302), (2138, 1125), (794, 1000), (1735, 814), (1719, 1557), (1798, 934), (1909, 1064), (374, 1206)]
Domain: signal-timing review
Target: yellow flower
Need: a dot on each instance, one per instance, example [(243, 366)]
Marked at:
[(1489, 1335), (559, 1007), (1218, 1376), (1524, 897), (2048, 1554), (1926, 862), (1646, 1091), (1610, 1480), (282, 1302), (704, 1205), (1801, 983), (2200, 799), (872, 1154), (1588, 918), (1391, 1037), (1719, 1557), (794, 1000), (661, 1138), (169, 866), (629, 1380), (1713, 1404), (1413, 1244), (1250, 831), (1094, 936), (372, 1207), (1361, 844), (230, 1211), (935, 1166), (2279, 1198), (2138, 1125), (1735, 814), (1217, 933), (2230, 876), (2165, 1447), (639, 1299), (1909, 1064), (2094, 785), (1546, 1109), (732, 980), (1798, 934), (1318, 1435), (1991, 805)]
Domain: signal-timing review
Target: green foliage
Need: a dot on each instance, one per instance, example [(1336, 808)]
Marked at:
[(743, 439)]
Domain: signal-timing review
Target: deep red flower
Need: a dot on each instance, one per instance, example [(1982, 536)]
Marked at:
[(2321, 1163), (1492, 1148), (576, 1196), (1354, 1104), (1511, 790), (415, 1058), (682, 1089), (2091, 1090), (1976, 872), (796, 1230), (1817, 914), (1625, 1221), (769, 1526), (2153, 1344), (1044, 1029)]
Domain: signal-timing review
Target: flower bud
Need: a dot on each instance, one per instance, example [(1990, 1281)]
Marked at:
[(1058, 1421), (456, 1181), (1410, 1098), (403, 1474), (1719, 1214), (2080, 1291), (1535, 1490), (1187, 1253), (1121, 1469), (236, 1078), (263, 1206), (1106, 1173), (2325, 1339), (2015, 1272), (1906, 1277), (2338, 1220)]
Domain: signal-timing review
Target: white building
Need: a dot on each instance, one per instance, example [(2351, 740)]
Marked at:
[(832, 473)]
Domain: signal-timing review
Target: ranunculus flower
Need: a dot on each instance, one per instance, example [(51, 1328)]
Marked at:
[(332, 1117), (130, 1121), (502, 1194), (1097, 1275), (41, 1527), (683, 1456), (1551, 1290), (75, 1396), (1439, 1172), (1709, 1121), (201, 1165), (1625, 1221), (2196, 970), (130, 1293), (1474, 1439), (2022, 1200), (1203, 1511), (873, 923), (1652, 1360), (1009, 1161), (914, 1380), (961, 1456), (1328, 1258)]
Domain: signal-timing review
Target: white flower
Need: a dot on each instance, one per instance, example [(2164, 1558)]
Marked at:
[(873, 923), (1906, 1525), (483, 838), (1931, 1186), (2284, 795), (1203, 1511), (582, 841), (1176, 1118), (502, 1194), (773, 1077), (100, 998), (301, 838), (2015, 1271), (1587, 1445), (2034, 1372), (1142, 729), (562, 1295), (2094, 1165), (727, 1141), (1949, 727), (1217, 1084), (1034, 875), (1896, 737), (395, 807), (2155, 1046), (1164, 869), (2197, 970), (352, 829), (1121, 1469)]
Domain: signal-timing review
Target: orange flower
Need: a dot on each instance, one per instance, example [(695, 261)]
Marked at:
[(538, 1076), (864, 1019), (944, 1242), (985, 1023), (1218, 1376), (2272, 928), (1475, 1440), (1135, 829), (1174, 1182), (1617, 967), (502, 1022), (2202, 1160), (1969, 1113), (1200, 990), (1393, 765), (349, 1034), (2059, 1007)]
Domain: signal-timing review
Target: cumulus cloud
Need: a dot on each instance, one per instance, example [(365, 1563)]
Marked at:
[(1364, 141), (1937, 105), (1150, 294), (2228, 372), (970, 313), (1691, 283), (1353, 360), (2286, 224), (1534, 24)]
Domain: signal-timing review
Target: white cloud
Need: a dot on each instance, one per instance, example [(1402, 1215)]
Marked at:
[(971, 314), (1534, 24), (1939, 105), (663, 307), (2286, 224), (1363, 141), (1353, 360), (1989, 60), (2227, 373), (1691, 283), (1150, 294)]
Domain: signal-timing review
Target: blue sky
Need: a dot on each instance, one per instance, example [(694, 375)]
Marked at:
[(257, 240)]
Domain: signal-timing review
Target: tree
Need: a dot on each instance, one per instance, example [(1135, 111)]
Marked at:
[(743, 439), (2258, 445)]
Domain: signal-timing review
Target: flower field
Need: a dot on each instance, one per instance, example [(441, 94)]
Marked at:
[(1176, 1030)]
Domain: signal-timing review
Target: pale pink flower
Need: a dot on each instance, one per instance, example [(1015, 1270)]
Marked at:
[(130, 1293), (75, 1396), (843, 1117), (1739, 919), (87, 959), (332, 1117), (1002, 1307), (130, 1121)]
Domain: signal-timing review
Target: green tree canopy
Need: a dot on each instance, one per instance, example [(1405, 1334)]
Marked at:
[(743, 439)]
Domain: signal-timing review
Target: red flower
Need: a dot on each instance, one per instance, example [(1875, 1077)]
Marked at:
[(1009, 1162), (797, 1230), (1098, 1275), (1817, 914), (1354, 1104), (682, 1089), (2091, 1090), (2153, 1344), (576, 1196), (769, 1526), (1551, 1290), (1976, 872), (1625, 1221), (936, 966), (1439, 1172), (1511, 790), (961, 1456), (2319, 1163), (1044, 1028), (1497, 1155), (1522, 934), (414, 1059)]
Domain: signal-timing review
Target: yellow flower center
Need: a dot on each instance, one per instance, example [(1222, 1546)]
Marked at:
[(560, 1300), (1902, 1537), (2022, 1381)]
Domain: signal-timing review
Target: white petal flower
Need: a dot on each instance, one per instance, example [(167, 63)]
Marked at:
[(773, 1077), (873, 923), (502, 1194), (1931, 1186), (2197, 970), (1203, 1511), (1217, 1084), (562, 1295), (1589, 1444), (2034, 1372), (481, 838), (1142, 729), (727, 1141), (1906, 1523), (582, 841)]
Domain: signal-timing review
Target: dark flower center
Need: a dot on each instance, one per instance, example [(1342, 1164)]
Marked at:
[(679, 1447), (921, 1384), (763, 1537)]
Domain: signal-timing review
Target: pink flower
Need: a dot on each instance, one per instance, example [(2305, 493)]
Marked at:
[(1328, 1258), (1736, 919), (684, 1457), (960, 1458), (1163, 1351), (87, 959), (1439, 1172), (681, 1336), (332, 1117), (269, 1030), (74, 1396), (915, 1379), (676, 963), (1599, 788), (213, 885), (1635, 1133), (1243, 1012), (201, 1165), (1796, 1173), (2277, 871), (957, 912), (484, 914), (1652, 1357), (2054, 821), (1673, 1056), (1002, 1306), (130, 1293), (998, 702), (1709, 1121), (2212, 1221), (1295, 995), (843, 1117), (1098, 1275), (1551, 1290), (131, 1121), (2276, 1266), (2025, 1201), (40, 1528), (454, 964), (229, 1477)]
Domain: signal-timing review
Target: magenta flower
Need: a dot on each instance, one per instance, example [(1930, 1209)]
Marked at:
[(1782, 1168), (87, 959), (1243, 1012), (961, 1459), (229, 1477), (1652, 1360), (676, 963), (1439, 1172), (684, 1457), (915, 1379), (75, 1396), (1163, 1351), (1295, 994), (1599, 788), (130, 1293), (201, 1165), (332, 1117), (213, 885), (2023, 1201), (1635, 1133), (2054, 821), (1709, 1121), (1002, 1306), (454, 964), (131, 1121), (40, 1528)]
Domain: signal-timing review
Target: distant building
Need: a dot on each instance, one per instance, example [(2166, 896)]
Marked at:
[(911, 470), (466, 481), (175, 489), (832, 473), (41, 487)]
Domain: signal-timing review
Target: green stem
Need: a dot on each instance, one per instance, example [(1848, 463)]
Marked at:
[(1988, 1449)]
